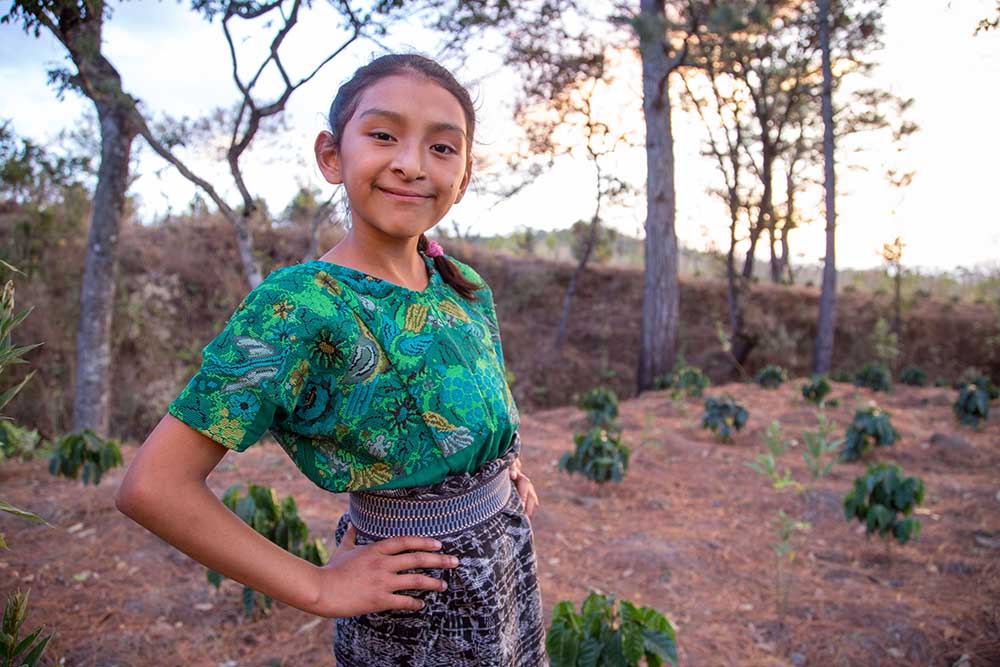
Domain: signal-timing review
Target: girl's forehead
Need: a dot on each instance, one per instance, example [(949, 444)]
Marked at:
[(412, 98)]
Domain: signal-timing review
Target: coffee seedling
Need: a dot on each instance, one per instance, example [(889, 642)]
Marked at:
[(597, 636), (771, 377), (978, 378), (85, 450), (687, 380), (17, 442), (724, 416), (973, 404), (601, 405), (880, 497), (913, 376), (784, 553), (816, 389), (871, 427), (278, 522), (874, 376), (14, 652), (600, 456)]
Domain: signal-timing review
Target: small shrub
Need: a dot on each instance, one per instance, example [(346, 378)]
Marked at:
[(278, 522), (16, 652), (874, 376), (816, 389), (766, 465), (880, 497), (819, 448), (913, 376), (85, 450), (871, 427), (17, 442), (724, 416), (973, 405), (687, 379), (596, 636), (601, 405), (841, 376), (771, 377), (600, 456), (978, 378)]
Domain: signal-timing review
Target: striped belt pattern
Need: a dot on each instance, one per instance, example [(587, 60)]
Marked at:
[(382, 516)]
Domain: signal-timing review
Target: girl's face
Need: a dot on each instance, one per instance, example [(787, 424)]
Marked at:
[(403, 157)]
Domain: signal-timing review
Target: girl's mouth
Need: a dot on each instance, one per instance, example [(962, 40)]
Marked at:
[(403, 195)]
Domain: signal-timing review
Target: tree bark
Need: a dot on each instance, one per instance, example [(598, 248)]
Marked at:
[(660, 297), (91, 405), (823, 352)]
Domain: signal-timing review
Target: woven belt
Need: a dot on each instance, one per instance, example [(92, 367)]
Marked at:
[(382, 516)]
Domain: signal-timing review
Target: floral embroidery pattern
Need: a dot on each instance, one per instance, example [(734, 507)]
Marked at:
[(364, 383)]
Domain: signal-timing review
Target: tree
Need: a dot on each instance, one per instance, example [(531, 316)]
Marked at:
[(988, 23), (892, 255), (823, 350), (78, 27)]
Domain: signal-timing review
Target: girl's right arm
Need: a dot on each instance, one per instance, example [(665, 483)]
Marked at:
[(165, 491)]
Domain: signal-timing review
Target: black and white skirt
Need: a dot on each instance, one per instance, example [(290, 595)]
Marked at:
[(489, 616)]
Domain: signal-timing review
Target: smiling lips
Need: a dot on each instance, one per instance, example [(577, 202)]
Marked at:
[(403, 195)]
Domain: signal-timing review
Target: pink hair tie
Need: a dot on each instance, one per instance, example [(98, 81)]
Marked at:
[(434, 249)]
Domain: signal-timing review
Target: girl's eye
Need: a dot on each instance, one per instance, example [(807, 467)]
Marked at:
[(380, 136), (444, 149)]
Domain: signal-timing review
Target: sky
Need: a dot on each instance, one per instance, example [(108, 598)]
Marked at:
[(176, 63)]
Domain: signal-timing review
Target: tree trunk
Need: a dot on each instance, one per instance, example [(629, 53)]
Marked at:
[(91, 406), (660, 297), (823, 354), (571, 290)]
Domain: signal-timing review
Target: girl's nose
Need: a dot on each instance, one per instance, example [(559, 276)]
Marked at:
[(407, 161)]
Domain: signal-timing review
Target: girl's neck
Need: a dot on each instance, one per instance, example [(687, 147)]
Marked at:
[(397, 262)]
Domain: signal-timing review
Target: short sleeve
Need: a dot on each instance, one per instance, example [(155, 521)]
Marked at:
[(251, 373)]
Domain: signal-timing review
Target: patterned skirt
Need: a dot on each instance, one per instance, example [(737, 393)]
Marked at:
[(491, 613)]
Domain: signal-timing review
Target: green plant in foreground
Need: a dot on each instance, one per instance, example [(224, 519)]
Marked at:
[(10, 355), (771, 377), (871, 427), (816, 389), (85, 450), (767, 464), (599, 456), (15, 652), (972, 405), (819, 448), (278, 522), (601, 405), (724, 416), (596, 636), (874, 376), (913, 376), (784, 554), (17, 442), (878, 499)]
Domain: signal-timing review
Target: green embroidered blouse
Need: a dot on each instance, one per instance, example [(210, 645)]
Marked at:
[(364, 383)]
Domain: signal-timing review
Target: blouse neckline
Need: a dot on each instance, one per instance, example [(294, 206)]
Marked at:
[(434, 277)]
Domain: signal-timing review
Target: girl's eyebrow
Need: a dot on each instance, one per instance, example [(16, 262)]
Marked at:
[(398, 118)]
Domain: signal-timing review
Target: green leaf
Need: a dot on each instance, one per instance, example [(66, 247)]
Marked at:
[(23, 514), (661, 644), (562, 646)]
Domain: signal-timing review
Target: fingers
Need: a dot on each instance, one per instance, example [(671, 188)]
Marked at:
[(515, 469), (529, 497), (403, 603), (348, 540), (395, 545)]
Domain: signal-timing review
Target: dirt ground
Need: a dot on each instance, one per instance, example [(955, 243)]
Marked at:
[(687, 532)]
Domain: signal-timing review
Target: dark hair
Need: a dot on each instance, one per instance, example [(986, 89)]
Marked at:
[(346, 103)]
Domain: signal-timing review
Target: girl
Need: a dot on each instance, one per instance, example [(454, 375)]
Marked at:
[(379, 370)]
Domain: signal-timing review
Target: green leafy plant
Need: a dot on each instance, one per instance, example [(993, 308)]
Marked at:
[(766, 465), (9, 354), (724, 416), (601, 405), (688, 380), (20, 513), (882, 499), (599, 456), (973, 404), (871, 428), (771, 377), (978, 378), (598, 637), (913, 376), (16, 652), (816, 390), (784, 552), (85, 450), (821, 452), (278, 522), (885, 342), (17, 442), (874, 376)]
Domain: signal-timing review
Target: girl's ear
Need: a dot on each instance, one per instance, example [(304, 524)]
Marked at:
[(327, 158), (463, 186)]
